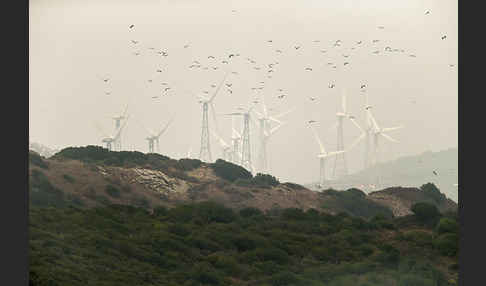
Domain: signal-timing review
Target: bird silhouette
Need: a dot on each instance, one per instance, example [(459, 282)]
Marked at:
[(345, 56), (224, 62), (210, 57), (229, 84), (131, 26), (230, 91), (135, 42), (107, 92), (167, 88), (231, 55), (451, 65), (186, 46), (363, 85), (308, 69), (159, 70), (155, 97), (297, 47), (381, 27), (376, 52), (269, 41), (213, 85), (443, 37), (359, 42), (149, 80), (427, 13), (215, 68), (311, 121), (323, 51), (281, 96), (312, 98), (136, 53), (278, 51), (387, 49), (412, 56), (106, 79), (346, 63), (331, 85), (376, 41), (435, 173)]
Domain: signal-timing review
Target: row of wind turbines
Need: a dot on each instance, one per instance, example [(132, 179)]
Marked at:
[(238, 150)]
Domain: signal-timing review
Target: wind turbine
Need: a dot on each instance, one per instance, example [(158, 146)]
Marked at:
[(110, 139), (235, 142), (246, 147), (205, 151), (153, 138), (118, 118), (323, 155), (378, 132), (264, 123), (340, 166)]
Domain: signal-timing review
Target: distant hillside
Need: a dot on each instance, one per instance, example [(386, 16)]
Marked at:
[(93, 176), (412, 171)]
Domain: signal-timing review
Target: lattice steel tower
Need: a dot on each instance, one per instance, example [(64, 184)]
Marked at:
[(205, 152), (246, 150)]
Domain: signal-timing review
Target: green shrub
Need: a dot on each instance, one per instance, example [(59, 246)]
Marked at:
[(230, 171), (433, 192), (447, 244), (250, 211), (264, 180), (447, 225), (112, 191), (68, 178), (425, 212)]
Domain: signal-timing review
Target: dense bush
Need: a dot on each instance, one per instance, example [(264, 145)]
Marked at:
[(112, 191), (230, 171), (354, 202), (447, 225), (447, 244), (265, 180), (425, 212), (433, 192)]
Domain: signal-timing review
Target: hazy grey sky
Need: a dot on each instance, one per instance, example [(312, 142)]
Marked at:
[(73, 44)]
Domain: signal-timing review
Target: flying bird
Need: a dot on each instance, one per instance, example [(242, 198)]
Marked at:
[(159, 70), (230, 91), (231, 55), (345, 56), (308, 69), (443, 37), (131, 26), (376, 41), (224, 62), (359, 42), (413, 56), (363, 85), (186, 46), (376, 52), (215, 68), (312, 98), (387, 49), (281, 96), (323, 51), (331, 85), (213, 85), (297, 47), (435, 173), (311, 121), (135, 42), (106, 79), (381, 27), (269, 41), (451, 65), (210, 57), (427, 13), (279, 51), (107, 92), (149, 80), (155, 97), (346, 63), (137, 53), (167, 88)]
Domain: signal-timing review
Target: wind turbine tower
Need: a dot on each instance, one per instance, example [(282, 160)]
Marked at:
[(340, 166), (246, 147), (205, 151), (118, 118)]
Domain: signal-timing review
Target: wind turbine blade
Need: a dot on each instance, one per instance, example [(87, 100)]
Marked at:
[(356, 124), (264, 106), (220, 84), (356, 141), (373, 120), (149, 131), (274, 129), (284, 113), (275, 120), (318, 140), (165, 128), (391, 128), (389, 138), (100, 130), (258, 113)]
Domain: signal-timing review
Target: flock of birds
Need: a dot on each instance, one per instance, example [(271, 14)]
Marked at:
[(214, 63)]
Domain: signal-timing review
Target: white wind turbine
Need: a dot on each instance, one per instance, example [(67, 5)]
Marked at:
[(264, 124), (323, 155), (118, 118), (153, 138), (111, 139), (235, 143)]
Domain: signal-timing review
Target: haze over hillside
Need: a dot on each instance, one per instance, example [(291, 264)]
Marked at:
[(409, 171)]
